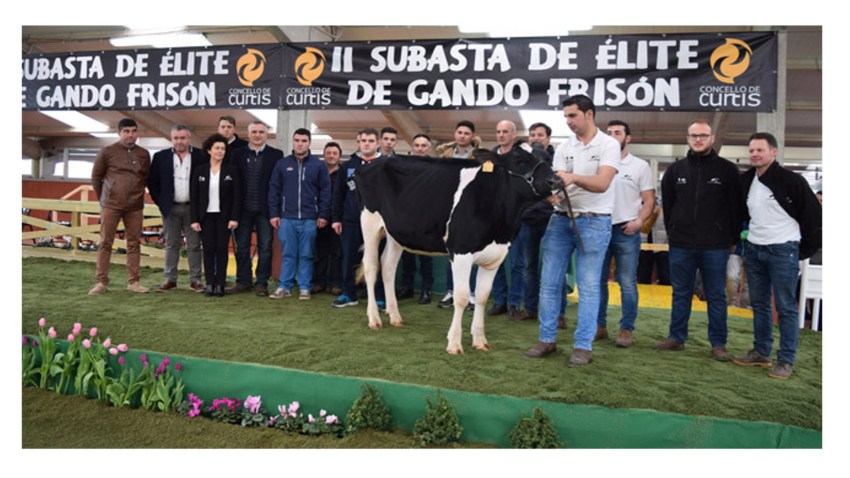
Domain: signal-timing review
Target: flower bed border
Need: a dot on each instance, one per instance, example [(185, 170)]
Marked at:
[(489, 418)]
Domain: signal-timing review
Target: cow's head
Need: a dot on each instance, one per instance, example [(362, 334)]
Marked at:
[(528, 163)]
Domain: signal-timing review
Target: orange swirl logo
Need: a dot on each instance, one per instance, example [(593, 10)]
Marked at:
[(250, 67), (309, 66), (730, 60)]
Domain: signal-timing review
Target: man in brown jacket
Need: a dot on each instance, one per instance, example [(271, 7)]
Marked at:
[(118, 177)]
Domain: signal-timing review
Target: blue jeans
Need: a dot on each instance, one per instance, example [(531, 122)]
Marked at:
[(558, 245), (512, 295), (297, 240), (248, 221), (625, 249), (775, 267), (711, 263)]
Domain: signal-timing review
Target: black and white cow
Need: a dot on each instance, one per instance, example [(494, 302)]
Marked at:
[(468, 210)]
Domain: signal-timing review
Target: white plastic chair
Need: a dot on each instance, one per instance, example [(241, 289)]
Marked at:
[(811, 287)]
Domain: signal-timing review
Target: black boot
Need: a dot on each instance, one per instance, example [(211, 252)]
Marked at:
[(218, 291), (425, 297), (209, 291)]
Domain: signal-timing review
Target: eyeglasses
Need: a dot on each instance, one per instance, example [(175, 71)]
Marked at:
[(699, 136)]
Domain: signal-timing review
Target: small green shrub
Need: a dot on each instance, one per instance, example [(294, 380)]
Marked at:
[(536, 431), (369, 411), (439, 425)]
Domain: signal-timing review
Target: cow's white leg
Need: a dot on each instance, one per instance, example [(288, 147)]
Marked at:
[(371, 225), (389, 263), (461, 267), (483, 286)]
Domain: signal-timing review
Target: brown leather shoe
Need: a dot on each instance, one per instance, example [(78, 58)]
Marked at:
[(519, 315), (197, 287), (262, 291), (580, 357), (601, 333), (541, 350), (167, 286), (238, 288), (562, 322), (624, 339), (317, 289), (669, 344), (137, 287), (720, 354), (336, 291)]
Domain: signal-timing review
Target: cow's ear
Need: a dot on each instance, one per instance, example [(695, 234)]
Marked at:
[(484, 155)]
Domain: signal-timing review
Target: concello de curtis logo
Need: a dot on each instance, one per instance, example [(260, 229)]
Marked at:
[(730, 60), (250, 66), (309, 66)]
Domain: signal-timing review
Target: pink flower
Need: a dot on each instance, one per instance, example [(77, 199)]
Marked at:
[(71, 337), (178, 367), (293, 408), (93, 332), (253, 403), (77, 328), (322, 413), (331, 419), (143, 357), (113, 351), (34, 343), (166, 361), (42, 322), (123, 347), (87, 343), (107, 343), (121, 360), (282, 410), (310, 418), (25, 340), (52, 333)]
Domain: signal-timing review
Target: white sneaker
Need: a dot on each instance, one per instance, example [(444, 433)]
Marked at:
[(447, 301), (280, 293)]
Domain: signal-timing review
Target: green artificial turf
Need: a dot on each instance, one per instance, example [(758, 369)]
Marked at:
[(311, 335)]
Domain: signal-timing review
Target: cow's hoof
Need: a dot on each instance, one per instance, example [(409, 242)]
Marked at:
[(485, 347), (457, 351), (397, 324), (376, 326)]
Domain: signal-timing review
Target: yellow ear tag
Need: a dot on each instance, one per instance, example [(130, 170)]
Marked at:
[(487, 167)]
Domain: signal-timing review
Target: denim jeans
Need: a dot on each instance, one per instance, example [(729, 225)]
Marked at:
[(297, 240), (531, 287), (774, 267), (625, 249), (248, 221), (711, 263), (512, 295), (558, 245)]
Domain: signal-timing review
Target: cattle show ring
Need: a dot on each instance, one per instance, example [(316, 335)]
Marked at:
[(242, 371)]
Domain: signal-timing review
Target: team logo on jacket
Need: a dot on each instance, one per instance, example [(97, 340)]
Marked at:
[(715, 181)]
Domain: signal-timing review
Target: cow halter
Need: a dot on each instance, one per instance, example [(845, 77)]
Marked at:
[(529, 177)]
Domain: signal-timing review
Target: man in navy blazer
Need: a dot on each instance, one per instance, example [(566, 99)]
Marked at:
[(168, 183), (255, 163)]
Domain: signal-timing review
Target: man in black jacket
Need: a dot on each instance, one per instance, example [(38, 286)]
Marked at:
[(785, 221), (703, 213), (168, 184), (255, 164)]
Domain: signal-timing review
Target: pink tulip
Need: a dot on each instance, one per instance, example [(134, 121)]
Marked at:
[(77, 328), (71, 337), (121, 360), (93, 332), (35, 343), (52, 333), (41, 322), (123, 347), (178, 367), (87, 343), (107, 343), (25, 340), (113, 351)]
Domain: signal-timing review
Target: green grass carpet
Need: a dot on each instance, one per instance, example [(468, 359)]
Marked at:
[(311, 335)]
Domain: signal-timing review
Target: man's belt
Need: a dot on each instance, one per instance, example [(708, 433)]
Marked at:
[(581, 214)]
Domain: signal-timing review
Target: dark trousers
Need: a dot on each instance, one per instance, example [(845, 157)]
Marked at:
[(327, 269), (215, 238), (408, 270), (660, 261), (352, 256)]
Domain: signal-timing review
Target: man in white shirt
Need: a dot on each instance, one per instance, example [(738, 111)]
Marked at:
[(586, 163), (634, 201), (785, 221), (168, 184)]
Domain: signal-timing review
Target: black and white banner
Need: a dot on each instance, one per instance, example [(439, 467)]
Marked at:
[(684, 72)]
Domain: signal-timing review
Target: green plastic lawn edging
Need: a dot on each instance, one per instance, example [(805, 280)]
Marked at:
[(485, 418)]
